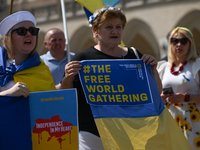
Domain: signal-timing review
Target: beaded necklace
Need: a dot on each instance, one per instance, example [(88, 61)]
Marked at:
[(180, 69)]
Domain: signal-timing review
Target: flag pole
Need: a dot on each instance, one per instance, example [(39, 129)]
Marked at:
[(65, 29), (11, 6)]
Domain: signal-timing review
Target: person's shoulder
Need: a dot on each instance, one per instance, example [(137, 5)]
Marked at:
[(164, 58), (86, 51), (43, 56), (72, 54), (197, 60), (161, 64), (195, 69), (134, 51), (195, 65), (46, 57), (81, 55)]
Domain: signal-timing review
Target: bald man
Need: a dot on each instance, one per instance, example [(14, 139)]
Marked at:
[(56, 57)]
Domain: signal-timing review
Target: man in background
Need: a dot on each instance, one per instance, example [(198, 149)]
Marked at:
[(56, 57)]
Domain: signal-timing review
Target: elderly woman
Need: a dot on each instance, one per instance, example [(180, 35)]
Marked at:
[(107, 26), (21, 69), (181, 72)]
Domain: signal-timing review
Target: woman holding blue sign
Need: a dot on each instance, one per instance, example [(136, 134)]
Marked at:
[(181, 75), (107, 25)]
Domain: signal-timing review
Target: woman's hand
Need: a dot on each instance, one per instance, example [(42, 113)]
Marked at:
[(19, 89), (173, 98), (71, 69), (164, 97), (148, 59)]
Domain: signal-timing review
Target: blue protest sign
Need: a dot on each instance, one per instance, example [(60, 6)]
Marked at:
[(115, 82), (54, 119)]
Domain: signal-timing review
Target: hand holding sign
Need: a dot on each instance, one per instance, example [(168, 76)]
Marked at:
[(109, 82)]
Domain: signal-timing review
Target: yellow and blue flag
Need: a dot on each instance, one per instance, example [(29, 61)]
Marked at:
[(127, 107), (33, 72), (38, 78), (92, 5)]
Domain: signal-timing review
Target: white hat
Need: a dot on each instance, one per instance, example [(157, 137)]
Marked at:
[(14, 19)]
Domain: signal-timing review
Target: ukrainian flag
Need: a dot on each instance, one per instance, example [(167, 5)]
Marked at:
[(33, 72), (134, 127), (38, 78), (93, 5)]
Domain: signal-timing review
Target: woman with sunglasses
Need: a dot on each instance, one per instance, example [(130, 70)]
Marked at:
[(21, 69), (181, 72)]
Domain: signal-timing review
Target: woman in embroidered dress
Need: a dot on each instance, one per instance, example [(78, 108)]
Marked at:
[(107, 26), (181, 72), (18, 56)]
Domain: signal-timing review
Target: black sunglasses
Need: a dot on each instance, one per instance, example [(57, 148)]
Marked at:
[(175, 41), (23, 31)]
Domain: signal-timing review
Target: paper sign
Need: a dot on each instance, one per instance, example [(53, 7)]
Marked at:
[(115, 82)]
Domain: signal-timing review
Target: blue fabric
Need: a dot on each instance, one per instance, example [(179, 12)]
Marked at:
[(110, 2), (138, 111), (15, 123), (105, 2), (87, 12), (6, 73)]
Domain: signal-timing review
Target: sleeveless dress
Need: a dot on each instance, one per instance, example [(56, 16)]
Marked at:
[(186, 114)]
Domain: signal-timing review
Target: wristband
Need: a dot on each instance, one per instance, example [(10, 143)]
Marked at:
[(187, 98)]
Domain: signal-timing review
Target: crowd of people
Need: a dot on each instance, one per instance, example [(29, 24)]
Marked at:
[(180, 72)]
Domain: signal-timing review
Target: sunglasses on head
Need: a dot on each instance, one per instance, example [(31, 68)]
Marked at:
[(175, 41), (23, 31)]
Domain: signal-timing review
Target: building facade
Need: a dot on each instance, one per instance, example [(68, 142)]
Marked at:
[(148, 22)]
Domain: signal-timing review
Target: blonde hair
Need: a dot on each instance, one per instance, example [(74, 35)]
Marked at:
[(105, 15), (192, 53), (8, 45)]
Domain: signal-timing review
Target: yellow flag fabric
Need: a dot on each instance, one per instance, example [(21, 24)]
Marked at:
[(147, 133), (91, 5), (122, 44), (37, 78)]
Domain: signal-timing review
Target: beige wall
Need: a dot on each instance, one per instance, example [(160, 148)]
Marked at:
[(146, 29)]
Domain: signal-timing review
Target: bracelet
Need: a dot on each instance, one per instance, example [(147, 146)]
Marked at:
[(187, 97)]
